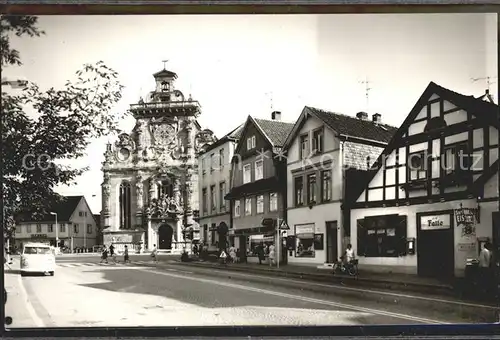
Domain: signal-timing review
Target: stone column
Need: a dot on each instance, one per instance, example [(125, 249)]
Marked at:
[(150, 242), (139, 192), (152, 189), (189, 196)]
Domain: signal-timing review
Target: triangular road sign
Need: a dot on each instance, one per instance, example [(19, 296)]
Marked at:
[(284, 225)]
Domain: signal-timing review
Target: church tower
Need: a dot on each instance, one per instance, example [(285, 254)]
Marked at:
[(149, 192)]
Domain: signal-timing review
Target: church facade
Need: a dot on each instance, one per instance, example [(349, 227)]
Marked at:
[(150, 191)]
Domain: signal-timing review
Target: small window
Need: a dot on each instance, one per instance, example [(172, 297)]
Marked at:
[(203, 165), (38, 228), (273, 201), (317, 142), (213, 198), (80, 213), (259, 170), (89, 228), (19, 229), (299, 191), (260, 204), (76, 228), (237, 211), (304, 146), (250, 143), (221, 158), (212, 163), (326, 186), (204, 200), (457, 158), (248, 206), (247, 173), (311, 188), (222, 193), (417, 165), (28, 228), (62, 228), (50, 228)]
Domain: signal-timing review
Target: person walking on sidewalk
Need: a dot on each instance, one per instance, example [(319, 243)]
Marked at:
[(485, 269), (272, 254), (112, 252), (125, 255), (154, 254), (104, 255)]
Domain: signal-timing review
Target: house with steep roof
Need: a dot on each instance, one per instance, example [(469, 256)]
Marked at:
[(258, 184), (73, 225), (214, 174), (325, 151), (431, 200)]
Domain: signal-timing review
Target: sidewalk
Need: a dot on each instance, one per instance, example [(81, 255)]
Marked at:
[(392, 281)]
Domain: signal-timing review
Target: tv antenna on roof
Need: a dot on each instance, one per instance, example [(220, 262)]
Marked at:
[(270, 94), (367, 83), (489, 82)]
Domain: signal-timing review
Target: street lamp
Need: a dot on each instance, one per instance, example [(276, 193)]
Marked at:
[(57, 229)]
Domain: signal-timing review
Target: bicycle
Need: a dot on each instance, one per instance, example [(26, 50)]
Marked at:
[(350, 268)]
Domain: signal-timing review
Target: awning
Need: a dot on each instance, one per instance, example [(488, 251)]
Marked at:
[(263, 185), (253, 231)]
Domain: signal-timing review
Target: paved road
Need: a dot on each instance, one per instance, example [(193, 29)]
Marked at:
[(86, 293)]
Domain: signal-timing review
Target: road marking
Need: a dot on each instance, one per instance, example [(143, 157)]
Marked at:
[(415, 297), (38, 321), (302, 298)]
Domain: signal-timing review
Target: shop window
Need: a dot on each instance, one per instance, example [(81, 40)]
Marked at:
[(299, 191), (256, 241), (417, 166), (304, 240), (382, 236)]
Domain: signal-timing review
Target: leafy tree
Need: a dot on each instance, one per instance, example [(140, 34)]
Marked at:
[(64, 123)]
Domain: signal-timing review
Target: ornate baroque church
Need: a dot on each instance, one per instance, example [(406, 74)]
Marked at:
[(149, 192)]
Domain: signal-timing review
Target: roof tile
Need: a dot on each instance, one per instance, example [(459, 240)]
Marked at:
[(276, 130)]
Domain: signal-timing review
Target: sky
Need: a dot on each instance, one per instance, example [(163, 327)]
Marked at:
[(243, 65)]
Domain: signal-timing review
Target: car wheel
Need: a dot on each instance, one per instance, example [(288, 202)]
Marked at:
[(51, 273)]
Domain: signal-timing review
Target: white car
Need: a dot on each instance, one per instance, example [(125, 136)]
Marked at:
[(37, 258)]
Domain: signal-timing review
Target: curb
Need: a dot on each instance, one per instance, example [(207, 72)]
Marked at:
[(351, 281)]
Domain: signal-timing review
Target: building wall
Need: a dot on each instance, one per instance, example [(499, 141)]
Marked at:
[(80, 238), (408, 263), (254, 220)]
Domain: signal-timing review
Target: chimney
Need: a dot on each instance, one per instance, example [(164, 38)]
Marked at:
[(377, 118), (362, 115), (276, 115)]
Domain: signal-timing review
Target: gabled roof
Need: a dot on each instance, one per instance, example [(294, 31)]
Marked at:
[(234, 135), (64, 211), (486, 111), (165, 73), (276, 131), (344, 125)]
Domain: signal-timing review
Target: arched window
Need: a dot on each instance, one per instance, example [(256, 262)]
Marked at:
[(165, 86), (125, 206), (165, 187)]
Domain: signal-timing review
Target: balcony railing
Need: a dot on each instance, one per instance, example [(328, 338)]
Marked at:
[(165, 105)]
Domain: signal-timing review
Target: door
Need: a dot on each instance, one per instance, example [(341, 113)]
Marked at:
[(435, 245), (331, 242), (165, 233)]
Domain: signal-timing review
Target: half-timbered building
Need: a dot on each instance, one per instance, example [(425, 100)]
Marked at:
[(322, 150), (430, 201), (258, 184)]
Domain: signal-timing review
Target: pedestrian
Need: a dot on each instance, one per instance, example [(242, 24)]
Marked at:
[(271, 255), (112, 252), (104, 255), (6, 258), (232, 253), (260, 253), (154, 254), (238, 255), (125, 255), (485, 269)]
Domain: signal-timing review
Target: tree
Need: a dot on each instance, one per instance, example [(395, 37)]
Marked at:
[(65, 122)]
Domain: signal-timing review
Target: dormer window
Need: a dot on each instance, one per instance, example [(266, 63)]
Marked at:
[(250, 143), (317, 141), (165, 86)]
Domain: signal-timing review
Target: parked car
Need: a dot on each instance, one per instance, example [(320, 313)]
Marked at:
[(37, 258)]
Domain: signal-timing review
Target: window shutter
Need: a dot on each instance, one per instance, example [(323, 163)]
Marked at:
[(401, 234), (361, 237)]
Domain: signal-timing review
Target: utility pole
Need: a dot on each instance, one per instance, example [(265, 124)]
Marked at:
[(367, 83)]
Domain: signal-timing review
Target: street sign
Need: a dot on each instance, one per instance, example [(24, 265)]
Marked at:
[(284, 225)]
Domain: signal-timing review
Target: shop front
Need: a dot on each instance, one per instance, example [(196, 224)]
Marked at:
[(429, 240), (248, 241)]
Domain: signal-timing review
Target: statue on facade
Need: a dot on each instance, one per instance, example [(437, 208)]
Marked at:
[(139, 186)]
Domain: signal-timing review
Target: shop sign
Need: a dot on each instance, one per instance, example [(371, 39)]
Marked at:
[(467, 247), (436, 222), (39, 236), (304, 229), (466, 219)]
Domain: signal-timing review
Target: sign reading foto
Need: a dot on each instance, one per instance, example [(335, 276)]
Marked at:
[(435, 222)]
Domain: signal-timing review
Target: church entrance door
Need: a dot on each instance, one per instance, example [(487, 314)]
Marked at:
[(165, 233)]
